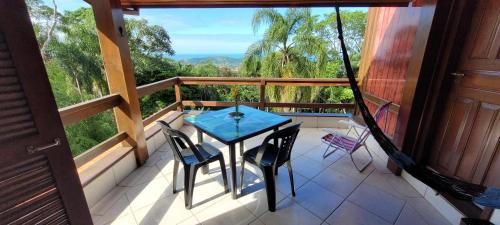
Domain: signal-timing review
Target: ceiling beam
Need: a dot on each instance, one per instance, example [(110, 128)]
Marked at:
[(257, 3)]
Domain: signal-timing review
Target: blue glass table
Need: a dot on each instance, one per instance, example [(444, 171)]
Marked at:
[(228, 130)]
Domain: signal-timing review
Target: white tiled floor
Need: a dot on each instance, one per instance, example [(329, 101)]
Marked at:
[(329, 191)]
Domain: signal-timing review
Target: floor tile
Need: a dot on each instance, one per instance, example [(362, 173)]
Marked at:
[(307, 167), (410, 217), (226, 211), (254, 198), (351, 214), (115, 210), (169, 210), (317, 200), (283, 182), (148, 193), (337, 182), (427, 211), (140, 176), (126, 220), (393, 184), (191, 221), (289, 212), (377, 201)]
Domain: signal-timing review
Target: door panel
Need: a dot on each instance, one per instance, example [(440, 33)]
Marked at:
[(38, 178), (467, 138)]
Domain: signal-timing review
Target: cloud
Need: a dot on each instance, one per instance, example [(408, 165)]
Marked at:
[(206, 44)]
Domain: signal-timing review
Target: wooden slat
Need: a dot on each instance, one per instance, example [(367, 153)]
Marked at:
[(216, 103), (270, 104), (378, 101), (92, 153), (311, 105), (258, 3), (268, 81), (160, 113), (219, 80), (156, 86), (76, 113)]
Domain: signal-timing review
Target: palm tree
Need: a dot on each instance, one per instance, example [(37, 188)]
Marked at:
[(288, 49)]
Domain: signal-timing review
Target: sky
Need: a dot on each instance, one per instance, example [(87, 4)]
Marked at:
[(201, 31)]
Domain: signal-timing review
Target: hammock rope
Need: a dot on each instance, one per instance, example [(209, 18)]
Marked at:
[(481, 195)]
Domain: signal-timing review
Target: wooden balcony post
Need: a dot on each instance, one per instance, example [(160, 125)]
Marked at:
[(120, 72), (262, 101), (178, 95)]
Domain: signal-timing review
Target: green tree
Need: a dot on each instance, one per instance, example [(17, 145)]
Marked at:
[(288, 49)]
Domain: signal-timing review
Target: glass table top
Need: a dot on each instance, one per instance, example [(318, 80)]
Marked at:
[(220, 125)]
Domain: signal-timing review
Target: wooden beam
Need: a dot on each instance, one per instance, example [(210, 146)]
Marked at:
[(379, 101), (216, 103), (156, 86), (311, 105), (268, 81), (262, 93), (160, 113), (258, 3), (76, 113), (178, 95), (271, 104), (120, 72)]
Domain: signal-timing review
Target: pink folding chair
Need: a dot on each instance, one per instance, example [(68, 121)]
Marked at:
[(351, 143)]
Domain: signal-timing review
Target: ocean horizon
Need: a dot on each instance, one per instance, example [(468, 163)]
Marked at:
[(207, 55)]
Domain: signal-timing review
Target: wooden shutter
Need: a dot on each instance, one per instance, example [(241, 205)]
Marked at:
[(38, 179)]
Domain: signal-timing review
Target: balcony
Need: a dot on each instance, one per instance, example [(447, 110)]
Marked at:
[(329, 191)]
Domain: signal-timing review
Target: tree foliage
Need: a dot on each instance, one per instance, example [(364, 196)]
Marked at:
[(294, 44)]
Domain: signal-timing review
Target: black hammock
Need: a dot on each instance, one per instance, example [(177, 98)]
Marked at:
[(481, 195)]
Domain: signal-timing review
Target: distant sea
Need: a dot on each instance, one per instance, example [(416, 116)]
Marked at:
[(197, 56)]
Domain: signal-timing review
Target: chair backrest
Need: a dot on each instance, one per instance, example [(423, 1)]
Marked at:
[(286, 138), (380, 114), (178, 142)]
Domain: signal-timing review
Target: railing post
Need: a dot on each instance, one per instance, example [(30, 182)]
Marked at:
[(178, 95), (120, 72), (262, 101)]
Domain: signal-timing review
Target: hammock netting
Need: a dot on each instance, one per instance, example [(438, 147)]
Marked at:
[(478, 194)]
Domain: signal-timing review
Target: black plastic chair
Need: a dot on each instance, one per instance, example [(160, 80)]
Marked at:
[(192, 158), (269, 157)]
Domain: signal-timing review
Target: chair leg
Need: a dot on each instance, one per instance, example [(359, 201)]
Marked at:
[(290, 173), (326, 153), (224, 174), (366, 165), (189, 181), (176, 170), (241, 174), (270, 180), (242, 148)]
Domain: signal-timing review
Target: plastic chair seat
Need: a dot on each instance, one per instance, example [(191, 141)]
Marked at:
[(209, 153), (268, 157)]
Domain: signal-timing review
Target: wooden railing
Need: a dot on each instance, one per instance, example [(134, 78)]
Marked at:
[(180, 103), (76, 113)]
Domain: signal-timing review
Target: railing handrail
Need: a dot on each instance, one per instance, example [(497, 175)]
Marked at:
[(78, 112)]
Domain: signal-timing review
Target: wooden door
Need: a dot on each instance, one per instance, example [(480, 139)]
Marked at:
[(467, 141), (38, 178)]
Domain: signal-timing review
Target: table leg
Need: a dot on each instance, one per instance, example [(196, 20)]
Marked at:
[(205, 169), (232, 164), (276, 139), (242, 148)]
